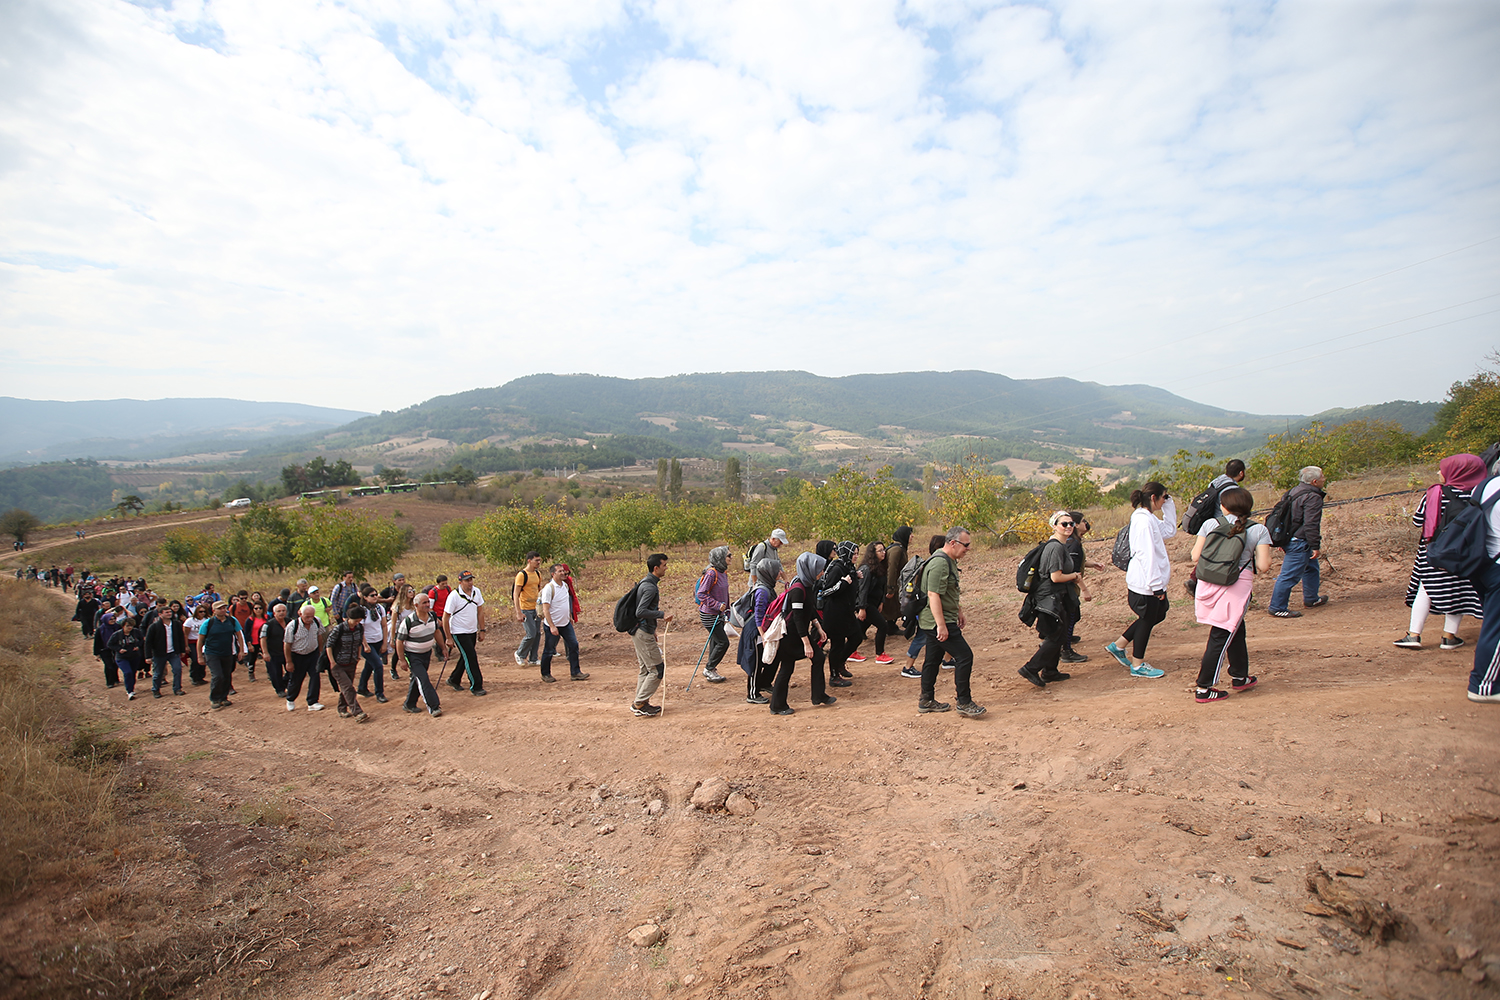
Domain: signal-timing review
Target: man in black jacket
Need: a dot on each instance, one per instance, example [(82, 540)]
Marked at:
[(1300, 563), (165, 643), (647, 613)]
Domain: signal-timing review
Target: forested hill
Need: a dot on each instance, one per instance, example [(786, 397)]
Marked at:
[(1134, 418)]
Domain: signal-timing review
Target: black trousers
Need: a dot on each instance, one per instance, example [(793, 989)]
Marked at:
[(1149, 612), (844, 637), (416, 665), (882, 629), (1052, 633), (718, 644), (276, 673), (1224, 646), (468, 661), (304, 665), (219, 670), (955, 646)]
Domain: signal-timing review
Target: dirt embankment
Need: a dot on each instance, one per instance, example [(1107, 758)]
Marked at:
[(1102, 837)]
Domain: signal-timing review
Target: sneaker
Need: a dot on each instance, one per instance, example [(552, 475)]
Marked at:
[(948, 664), (216, 705), (1476, 696), (840, 682), (155, 693), (970, 709), (1054, 675), (1069, 656), (753, 699), (233, 691), (548, 679), (453, 685), (789, 710), (714, 677), (582, 675), (479, 692), (828, 699), (1409, 641), (1118, 654), (436, 713), (1212, 694), (178, 691), (291, 706), (363, 692), (1286, 613), (1237, 685), (1450, 642), (911, 672), (650, 711), (381, 698), (343, 713), (520, 661), (533, 663), (281, 695), (885, 658), (316, 706), (933, 706), (114, 685), (362, 717), (130, 696), (395, 676), (856, 657), (1318, 603), (250, 672), (196, 684), (1146, 670), (411, 709), (1032, 676)]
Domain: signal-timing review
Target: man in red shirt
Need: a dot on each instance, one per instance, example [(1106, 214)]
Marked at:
[(439, 593)]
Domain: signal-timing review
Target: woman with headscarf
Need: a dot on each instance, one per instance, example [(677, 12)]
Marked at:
[(838, 597), (896, 555), (758, 673), (1431, 589), (712, 596), (804, 638)]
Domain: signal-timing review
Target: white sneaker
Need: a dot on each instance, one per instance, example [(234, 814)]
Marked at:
[(291, 706), (519, 661), (315, 707), (130, 696)]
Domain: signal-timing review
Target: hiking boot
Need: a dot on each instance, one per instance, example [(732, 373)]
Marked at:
[(856, 657), (582, 675), (1285, 613), (1409, 641), (1118, 654), (714, 677), (343, 713), (911, 672), (155, 693), (828, 699), (933, 706), (453, 685), (1318, 603), (885, 658), (1054, 675), (784, 711), (362, 717), (1237, 684), (381, 698), (757, 699), (1145, 670), (648, 710), (479, 692), (216, 705), (1033, 676), (1212, 694), (1069, 656), (436, 713), (1450, 642), (971, 709), (548, 679)]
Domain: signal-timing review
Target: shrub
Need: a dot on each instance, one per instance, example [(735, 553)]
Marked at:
[(333, 540), (505, 535), (859, 507), (1075, 488), (1348, 448), (183, 546), (454, 537)]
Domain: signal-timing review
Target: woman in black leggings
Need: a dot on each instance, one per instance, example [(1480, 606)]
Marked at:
[(872, 577)]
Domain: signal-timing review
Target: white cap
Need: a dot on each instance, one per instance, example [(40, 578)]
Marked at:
[(780, 536)]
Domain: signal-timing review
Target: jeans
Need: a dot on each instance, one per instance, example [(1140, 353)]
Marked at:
[(127, 667), (219, 669), (1486, 673), (375, 664), (159, 671), (570, 644), (963, 659), (1296, 566), (532, 639)]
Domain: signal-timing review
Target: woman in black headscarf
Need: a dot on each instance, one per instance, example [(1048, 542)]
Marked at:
[(803, 637)]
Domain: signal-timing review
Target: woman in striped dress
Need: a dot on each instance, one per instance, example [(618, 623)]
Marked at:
[(1431, 589)]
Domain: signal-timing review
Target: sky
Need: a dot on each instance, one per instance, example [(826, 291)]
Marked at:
[(1277, 207)]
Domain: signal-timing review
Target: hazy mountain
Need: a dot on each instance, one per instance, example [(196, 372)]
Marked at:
[(39, 430)]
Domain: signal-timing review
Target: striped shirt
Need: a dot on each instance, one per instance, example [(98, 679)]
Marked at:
[(417, 635)]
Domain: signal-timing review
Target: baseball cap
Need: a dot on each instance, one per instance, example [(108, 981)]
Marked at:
[(780, 536), (220, 604), (313, 589), (466, 575)]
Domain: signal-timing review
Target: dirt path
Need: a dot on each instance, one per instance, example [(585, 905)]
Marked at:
[(511, 845)]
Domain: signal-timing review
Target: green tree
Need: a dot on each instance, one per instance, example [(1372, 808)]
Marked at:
[(1075, 488), (184, 546), (975, 497), (506, 534), (1469, 421), (734, 488), (391, 476), (1341, 451), (128, 503), (18, 523), (858, 507), (663, 468), (263, 538), (454, 537), (332, 540), (624, 523), (674, 484)]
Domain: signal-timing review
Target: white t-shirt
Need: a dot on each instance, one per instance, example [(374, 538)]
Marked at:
[(555, 596), (1255, 535), (1492, 522), (462, 610)]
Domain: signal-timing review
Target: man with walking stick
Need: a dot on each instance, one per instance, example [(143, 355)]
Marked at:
[(647, 652)]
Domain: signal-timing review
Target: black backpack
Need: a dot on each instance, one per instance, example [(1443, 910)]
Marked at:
[(1459, 548), (1026, 573), (1201, 508), (1120, 554), (1279, 521), (625, 619)]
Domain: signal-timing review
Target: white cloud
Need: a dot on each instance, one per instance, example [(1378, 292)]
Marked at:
[(192, 197)]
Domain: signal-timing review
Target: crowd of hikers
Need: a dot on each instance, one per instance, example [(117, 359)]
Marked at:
[(819, 607)]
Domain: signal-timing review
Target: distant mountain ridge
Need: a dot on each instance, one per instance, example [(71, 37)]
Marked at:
[(33, 430)]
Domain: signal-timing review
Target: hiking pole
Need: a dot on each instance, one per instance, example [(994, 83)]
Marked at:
[(705, 650), (664, 667)]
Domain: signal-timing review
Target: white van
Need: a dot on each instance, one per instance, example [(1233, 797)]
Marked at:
[(241, 502)]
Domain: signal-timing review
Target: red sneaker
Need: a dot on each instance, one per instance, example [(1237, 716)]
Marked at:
[(884, 658), (856, 657)]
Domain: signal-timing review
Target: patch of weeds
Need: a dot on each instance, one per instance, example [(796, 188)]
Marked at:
[(658, 956), (192, 755), (268, 812), (402, 888), (92, 746)]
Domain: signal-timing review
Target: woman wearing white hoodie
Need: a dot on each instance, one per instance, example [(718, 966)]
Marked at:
[(1153, 521)]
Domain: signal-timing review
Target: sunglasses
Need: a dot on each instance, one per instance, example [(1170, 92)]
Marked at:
[(1065, 524)]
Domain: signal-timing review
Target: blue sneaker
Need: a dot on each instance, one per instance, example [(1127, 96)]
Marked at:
[(1118, 654), (1146, 670)]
